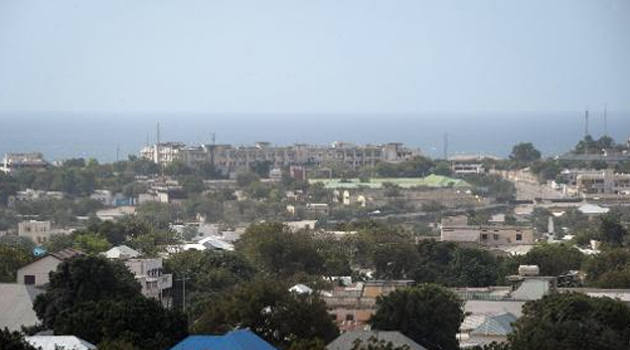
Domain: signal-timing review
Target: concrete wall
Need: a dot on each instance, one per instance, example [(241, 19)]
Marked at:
[(40, 269)]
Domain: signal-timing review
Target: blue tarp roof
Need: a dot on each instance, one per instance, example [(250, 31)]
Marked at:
[(242, 339)]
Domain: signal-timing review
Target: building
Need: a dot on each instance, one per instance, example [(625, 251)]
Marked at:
[(17, 161), (16, 306), (59, 342), (596, 182), (317, 209), (228, 159), (121, 252), (38, 231), (486, 235), (346, 341), (484, 329), (462, 168), (30, 195), (352, 306), (37, 272), (150, 274), (240, 339)]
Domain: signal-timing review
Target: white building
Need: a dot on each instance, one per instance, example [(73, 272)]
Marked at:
[(17, 161)]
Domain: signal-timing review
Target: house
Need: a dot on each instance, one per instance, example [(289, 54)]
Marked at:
[(121, 252), (16, 306), (317, 209), (37, 272), (59, 342), (351, 307), (347, 339), (241, 339), (38, 231), (214, 243), (467, 168)]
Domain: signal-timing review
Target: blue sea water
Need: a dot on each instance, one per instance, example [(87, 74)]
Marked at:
[(61, 136)]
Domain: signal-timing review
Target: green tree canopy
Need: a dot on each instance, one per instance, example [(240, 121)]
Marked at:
[(270, 310), (275, 249), (82, 279), (429, 314), (554, 259), (13, 341), (140, 321), (572, 321), (525, 152), (609, 269)]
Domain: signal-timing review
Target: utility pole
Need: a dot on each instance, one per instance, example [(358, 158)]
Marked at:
[(117, 152), (183, 280)]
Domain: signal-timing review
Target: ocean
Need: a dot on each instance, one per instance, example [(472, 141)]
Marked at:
[(91, 135)]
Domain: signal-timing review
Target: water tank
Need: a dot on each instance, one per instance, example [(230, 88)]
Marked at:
[(528, 270)]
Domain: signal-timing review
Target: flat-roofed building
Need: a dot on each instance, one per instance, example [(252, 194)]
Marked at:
[(17, 161)]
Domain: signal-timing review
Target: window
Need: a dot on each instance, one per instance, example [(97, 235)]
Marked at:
[(29, 279), (495, 237), (484, 236), (349, 317), (519, 237)]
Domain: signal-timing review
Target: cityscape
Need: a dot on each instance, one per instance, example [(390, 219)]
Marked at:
[(347, 211)]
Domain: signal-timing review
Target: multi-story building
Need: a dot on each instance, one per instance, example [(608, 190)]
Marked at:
[(228, 158), (30, 195), (486, 235), (155, 283), (17, 161), (38, 231)]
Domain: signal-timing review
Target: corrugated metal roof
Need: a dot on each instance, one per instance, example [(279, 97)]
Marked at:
[(346, 340), (496, 325), (54, 342), (242, 339), (16, 306)]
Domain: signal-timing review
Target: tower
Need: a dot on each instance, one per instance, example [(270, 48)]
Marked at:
[(445, 146), (586, 124), (605, 120)]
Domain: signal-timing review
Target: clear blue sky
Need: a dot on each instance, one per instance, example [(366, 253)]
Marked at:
[(314, 56)]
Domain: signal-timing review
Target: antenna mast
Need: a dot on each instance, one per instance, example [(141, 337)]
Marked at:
[(605, 120), (445, 146)]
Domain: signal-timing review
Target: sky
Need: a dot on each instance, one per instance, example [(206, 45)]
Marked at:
[(314, 56)]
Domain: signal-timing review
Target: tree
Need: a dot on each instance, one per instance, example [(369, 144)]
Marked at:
[(572, 321), (554, 259), (91, 243), (245, 179), (277, 250), (270, 310), (83, 279), (8, 187), (609, 269), (611, 230), (525, 152), (15, 252), (13, 341), (429, 314), (139, 321)]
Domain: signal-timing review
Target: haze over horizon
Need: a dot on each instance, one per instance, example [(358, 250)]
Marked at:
[(299, 57)]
